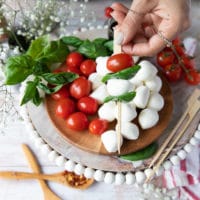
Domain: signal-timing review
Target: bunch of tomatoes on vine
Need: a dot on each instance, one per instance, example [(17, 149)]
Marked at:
[(176, 64)]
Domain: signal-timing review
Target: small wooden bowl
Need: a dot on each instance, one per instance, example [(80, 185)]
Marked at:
[(92, 143)]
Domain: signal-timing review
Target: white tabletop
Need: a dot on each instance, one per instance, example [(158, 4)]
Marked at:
[(12, 158)]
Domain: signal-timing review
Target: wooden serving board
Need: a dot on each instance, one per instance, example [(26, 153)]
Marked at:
[(92, 143)]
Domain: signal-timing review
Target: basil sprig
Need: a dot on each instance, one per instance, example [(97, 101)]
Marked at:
[(90, 49), (123, 74), (128, 96)]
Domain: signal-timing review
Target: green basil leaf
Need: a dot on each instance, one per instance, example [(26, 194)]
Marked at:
[(123, 74), (109, 45), (49, 90), (31, 92), (60, 78), (100, 41), (36, 48), (72, 41), (54, 52), (37, 99), (40, 68), (124, 97), (18, 68), (92, 50)]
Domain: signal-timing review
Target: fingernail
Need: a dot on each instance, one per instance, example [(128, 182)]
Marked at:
[(119, 37)]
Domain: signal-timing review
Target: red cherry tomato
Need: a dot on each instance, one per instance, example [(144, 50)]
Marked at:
[(74, 59), (119, 61), (72, 69), (188, 62), (173, 72), (80, 87), (77, 121), (65, 107), (63, 93), (165, 57), (88, 66), (87, 105), (192, 77), (107, 12), (98, 126)]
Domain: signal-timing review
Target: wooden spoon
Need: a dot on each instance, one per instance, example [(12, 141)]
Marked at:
[(48, 194), (66, 178)]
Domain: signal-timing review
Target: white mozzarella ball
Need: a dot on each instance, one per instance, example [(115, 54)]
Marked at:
[(116, 87), (147, 71), (109, 140), (154, 84), (101, 67), (95, 79), (128, 112), (135, 81), (100, 93), (148, 118), (107, 111), (129, 130), (142, 96), (156, 101)]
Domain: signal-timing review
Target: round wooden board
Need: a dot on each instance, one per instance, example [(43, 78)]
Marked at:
[(92, 143)]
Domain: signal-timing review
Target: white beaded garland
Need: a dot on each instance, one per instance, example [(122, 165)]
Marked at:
[(130, 178), (38, 142), (194, 141), (148, 172), (70, 165), (140, 177), (182, 154), (89, 172), (197, 134), (45, 149), (52, 155), (119, 179), (99, 175), (109, 178), (159, 171), (188, 147), (79, 169), (60, 161), (167, 165), (175, 160)]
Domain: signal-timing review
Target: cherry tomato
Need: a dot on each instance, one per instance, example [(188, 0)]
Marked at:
[(192, 77), (165, 57), (107, 12), (72, 69), (176, 41), (74, 59), (188, 62), (65, 107), (77, 121), (87, 105), (88, 66), (98, 126), (173, 72), (80, 87), (119, 61), (63, 93)]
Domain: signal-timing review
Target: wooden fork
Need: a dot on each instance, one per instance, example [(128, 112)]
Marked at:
[(48, 194)]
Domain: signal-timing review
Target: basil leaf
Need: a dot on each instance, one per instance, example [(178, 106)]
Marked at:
[(54, 52), (31, 93), (36, 48), (18, 68), (124, 97), (72, 41), (109, 45), (100, 41), (48, 90), (92, 50), (60, 78), (123, 74), (40, 68)]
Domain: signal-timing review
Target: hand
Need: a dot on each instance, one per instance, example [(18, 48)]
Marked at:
[(138, 26)]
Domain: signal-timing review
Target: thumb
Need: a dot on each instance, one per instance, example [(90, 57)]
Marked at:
[(132, 22)]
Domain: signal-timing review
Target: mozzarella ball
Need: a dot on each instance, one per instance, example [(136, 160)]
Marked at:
[(147, 71), (154, 84), (135, 81), (142, 96), (148, 118), (109, 140), (156, 101), (95, 79), (107, 111), (129, 130), (116, 87), (101, 67), (128, 112), (100, 93)]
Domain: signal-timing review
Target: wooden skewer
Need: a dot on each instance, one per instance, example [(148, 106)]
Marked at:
[(193, 108), (117, 49), (192, 99)]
